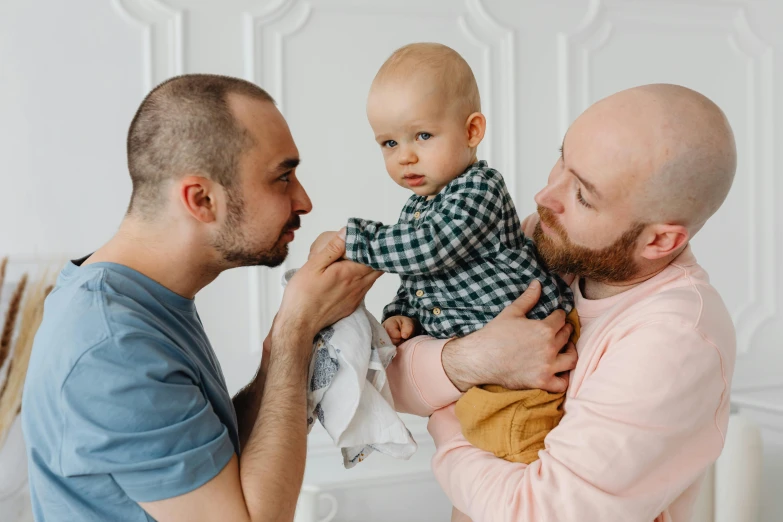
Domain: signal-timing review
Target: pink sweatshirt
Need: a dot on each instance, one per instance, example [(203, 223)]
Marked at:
[(645, 414)]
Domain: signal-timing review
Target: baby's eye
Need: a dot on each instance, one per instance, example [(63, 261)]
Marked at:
[(425, 135), (389, 143)]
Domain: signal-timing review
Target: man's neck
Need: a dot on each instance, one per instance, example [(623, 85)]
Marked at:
[(168, 256), (593, 289)]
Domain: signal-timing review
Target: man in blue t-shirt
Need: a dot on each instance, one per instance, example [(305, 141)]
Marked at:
[(126, 414)]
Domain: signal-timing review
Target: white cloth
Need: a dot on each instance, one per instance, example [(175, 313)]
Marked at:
[(348, 390)]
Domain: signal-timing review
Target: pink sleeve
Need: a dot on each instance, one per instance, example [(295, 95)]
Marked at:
[(417, 380), (645, 423)]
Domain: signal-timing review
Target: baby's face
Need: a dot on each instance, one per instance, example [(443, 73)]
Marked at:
[(423, 137)]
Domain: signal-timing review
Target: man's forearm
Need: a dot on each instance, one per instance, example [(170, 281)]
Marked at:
[(459, 364), (247, 402), (272, 463)]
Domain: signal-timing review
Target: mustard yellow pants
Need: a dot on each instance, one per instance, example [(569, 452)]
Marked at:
[(511, 424)]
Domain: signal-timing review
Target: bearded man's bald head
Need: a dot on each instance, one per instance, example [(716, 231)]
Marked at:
[(640, 173), (692, 156)]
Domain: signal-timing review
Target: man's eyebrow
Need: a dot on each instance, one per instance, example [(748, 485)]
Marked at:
[(286, 165), (589, 186)]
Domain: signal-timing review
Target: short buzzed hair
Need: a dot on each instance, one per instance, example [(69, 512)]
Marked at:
[(438, 62), (185, 125)]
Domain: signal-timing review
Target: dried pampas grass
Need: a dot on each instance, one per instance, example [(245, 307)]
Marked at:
[(10, 319), (30, 315), (3, 265)]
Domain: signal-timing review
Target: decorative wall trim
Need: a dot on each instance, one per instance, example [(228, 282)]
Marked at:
[(759, 165), (498, 88), (162, 29), (567, 45), (266, 29), (576, 51), (265, 33)]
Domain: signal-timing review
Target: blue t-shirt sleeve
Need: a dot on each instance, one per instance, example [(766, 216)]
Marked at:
[(133, 409)]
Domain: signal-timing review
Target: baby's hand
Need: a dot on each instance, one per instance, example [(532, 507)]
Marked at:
[(400, 328)]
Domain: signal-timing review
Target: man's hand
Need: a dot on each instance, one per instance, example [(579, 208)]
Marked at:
[(321, 241), (400, 328), (514, 351), (323, 291)]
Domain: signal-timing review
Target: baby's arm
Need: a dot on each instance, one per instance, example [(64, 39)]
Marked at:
[(448, 237), (399, 318)]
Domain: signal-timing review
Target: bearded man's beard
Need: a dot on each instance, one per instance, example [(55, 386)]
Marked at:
[(614, 263)]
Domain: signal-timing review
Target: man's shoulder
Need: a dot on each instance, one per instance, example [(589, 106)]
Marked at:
[(680, 299), (86, 314)]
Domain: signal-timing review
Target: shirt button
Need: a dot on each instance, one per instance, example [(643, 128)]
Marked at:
[(419, 293), (436, 311), (416, 215)]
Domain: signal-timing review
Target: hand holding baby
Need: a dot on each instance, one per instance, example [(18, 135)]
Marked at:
[(321, 241)]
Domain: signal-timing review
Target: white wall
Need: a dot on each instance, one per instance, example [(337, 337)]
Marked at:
[(72, 74)]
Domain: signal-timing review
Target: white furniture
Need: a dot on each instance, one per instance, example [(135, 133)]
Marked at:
[(732, 487)]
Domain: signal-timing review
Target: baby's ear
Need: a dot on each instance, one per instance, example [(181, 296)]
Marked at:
[(475, 126)]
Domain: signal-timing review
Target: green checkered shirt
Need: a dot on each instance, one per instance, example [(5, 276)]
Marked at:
[(461, 256)]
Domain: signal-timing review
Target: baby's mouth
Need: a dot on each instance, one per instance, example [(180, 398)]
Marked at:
[(414, 180)]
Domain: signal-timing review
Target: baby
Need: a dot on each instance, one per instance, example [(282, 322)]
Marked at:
[(458, 246)]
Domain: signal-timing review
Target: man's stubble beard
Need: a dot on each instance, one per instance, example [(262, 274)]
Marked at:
[(233, 245)]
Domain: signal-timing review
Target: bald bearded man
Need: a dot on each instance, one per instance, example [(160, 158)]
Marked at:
[(648, 403)]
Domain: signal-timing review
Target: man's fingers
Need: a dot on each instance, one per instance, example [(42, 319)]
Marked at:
[(556, 319), (372, 276), (557, 384), (526, 301), (562, 337), (333, 251), (566, 361)]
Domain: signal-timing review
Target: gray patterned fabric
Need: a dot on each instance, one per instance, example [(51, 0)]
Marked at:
[(348, 391)]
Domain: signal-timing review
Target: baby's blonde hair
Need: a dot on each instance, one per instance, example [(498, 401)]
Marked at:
[(436, 63)]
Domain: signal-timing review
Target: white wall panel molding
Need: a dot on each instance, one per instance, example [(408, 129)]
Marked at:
[(577, 50), (162, 38), (265, 33), (498, 88), (758, 164), (574, 50)]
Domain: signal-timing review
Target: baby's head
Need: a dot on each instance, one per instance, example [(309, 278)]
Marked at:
[(424, 109)]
